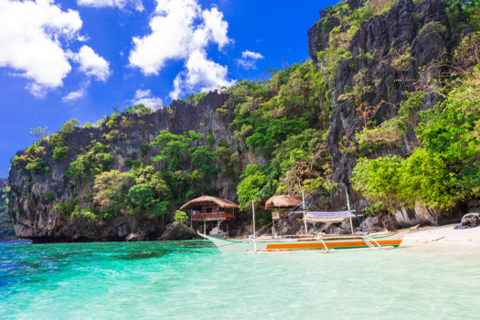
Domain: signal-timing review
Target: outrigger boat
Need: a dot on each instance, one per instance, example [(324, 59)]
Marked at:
[(315, 242)]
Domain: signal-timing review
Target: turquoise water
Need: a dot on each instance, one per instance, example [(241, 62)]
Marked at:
[(193, 280)]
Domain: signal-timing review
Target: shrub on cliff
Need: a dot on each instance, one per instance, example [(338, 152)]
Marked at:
[(180, 217), (33, 160), (96, 159), (421, 179), (58, 139)]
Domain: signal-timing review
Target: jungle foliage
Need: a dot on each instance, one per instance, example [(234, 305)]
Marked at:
[(446, 167), (283, 119)]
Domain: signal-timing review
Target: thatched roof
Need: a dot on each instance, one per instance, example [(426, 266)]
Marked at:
[(206, 200), (282, 202)]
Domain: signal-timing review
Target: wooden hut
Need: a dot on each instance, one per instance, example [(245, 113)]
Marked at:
[(281, 202), (277, 202), (207, 208)]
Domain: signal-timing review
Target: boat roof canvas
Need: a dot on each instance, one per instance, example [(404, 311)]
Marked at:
[(329, 216)]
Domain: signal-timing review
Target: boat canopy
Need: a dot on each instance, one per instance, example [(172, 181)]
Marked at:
[(328, 216)]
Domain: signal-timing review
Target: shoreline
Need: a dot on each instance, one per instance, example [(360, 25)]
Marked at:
[(445, 241)]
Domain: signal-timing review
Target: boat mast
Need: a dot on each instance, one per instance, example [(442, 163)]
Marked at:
[(348, 206), (254, 241), (304, 212)]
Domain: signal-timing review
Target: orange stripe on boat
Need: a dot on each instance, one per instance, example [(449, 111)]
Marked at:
[(330, 245)]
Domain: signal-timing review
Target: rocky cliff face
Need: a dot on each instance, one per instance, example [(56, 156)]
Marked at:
[(6, 225), (405, 25), (33, 212)]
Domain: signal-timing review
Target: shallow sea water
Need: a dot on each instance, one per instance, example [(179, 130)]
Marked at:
[(193, 280)]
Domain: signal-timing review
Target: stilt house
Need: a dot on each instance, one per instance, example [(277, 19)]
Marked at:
[(281, 202), (207, 208)]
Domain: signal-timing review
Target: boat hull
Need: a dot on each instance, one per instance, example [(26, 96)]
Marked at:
[(310, 243)]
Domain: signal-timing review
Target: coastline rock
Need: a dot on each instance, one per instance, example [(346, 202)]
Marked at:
[(380, 223), (179, 231), (217, 233), (470, 220), (473, 203)]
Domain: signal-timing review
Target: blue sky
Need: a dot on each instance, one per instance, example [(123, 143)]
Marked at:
[(81, 59)]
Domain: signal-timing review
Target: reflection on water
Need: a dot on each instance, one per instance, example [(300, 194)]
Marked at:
[(192, 280)]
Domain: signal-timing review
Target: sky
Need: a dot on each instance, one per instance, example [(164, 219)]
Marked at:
[(83, 58)]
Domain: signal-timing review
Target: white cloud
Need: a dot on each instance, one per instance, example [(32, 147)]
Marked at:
[(75, 95), (91, 63), (29, 33), (213, 21), (249, 59), (253, 55), (181, 30), (146, 98), (31, 37), (201, 74), (137, 4)]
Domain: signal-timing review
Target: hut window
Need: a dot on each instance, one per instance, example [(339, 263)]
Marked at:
[(209, 210)]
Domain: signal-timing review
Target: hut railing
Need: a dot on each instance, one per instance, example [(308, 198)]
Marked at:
[(212, 216)]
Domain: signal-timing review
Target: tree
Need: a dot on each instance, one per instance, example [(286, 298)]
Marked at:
[(180, 217), (254, 179), (40, 133), (204, 161), (110, 189)]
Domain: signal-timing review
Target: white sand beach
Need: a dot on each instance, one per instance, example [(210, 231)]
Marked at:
[(444, 240)]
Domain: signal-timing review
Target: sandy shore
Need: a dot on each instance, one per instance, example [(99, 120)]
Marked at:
[(445, 241)]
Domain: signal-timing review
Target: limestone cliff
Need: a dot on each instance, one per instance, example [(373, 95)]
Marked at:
[(33, 196), (374, 47), (405, 25)]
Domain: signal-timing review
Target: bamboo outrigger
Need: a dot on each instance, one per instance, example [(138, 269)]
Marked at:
[(315, 242)]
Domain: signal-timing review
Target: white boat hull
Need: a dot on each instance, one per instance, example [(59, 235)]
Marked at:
[(310, 243)]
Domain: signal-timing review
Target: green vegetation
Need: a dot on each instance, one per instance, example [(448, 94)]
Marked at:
[(40, 133), (93, 161), (446, 168), (33, 160), (285, 119), (49, 196), (138, 109), (180, 217), (6, 225), (340, 36), (470, 9), (195, 98), (58, 139), (177, 149)]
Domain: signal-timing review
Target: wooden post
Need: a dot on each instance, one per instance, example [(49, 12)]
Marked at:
[(348, 206), (204, 227), (304, 212), (254, 240)]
